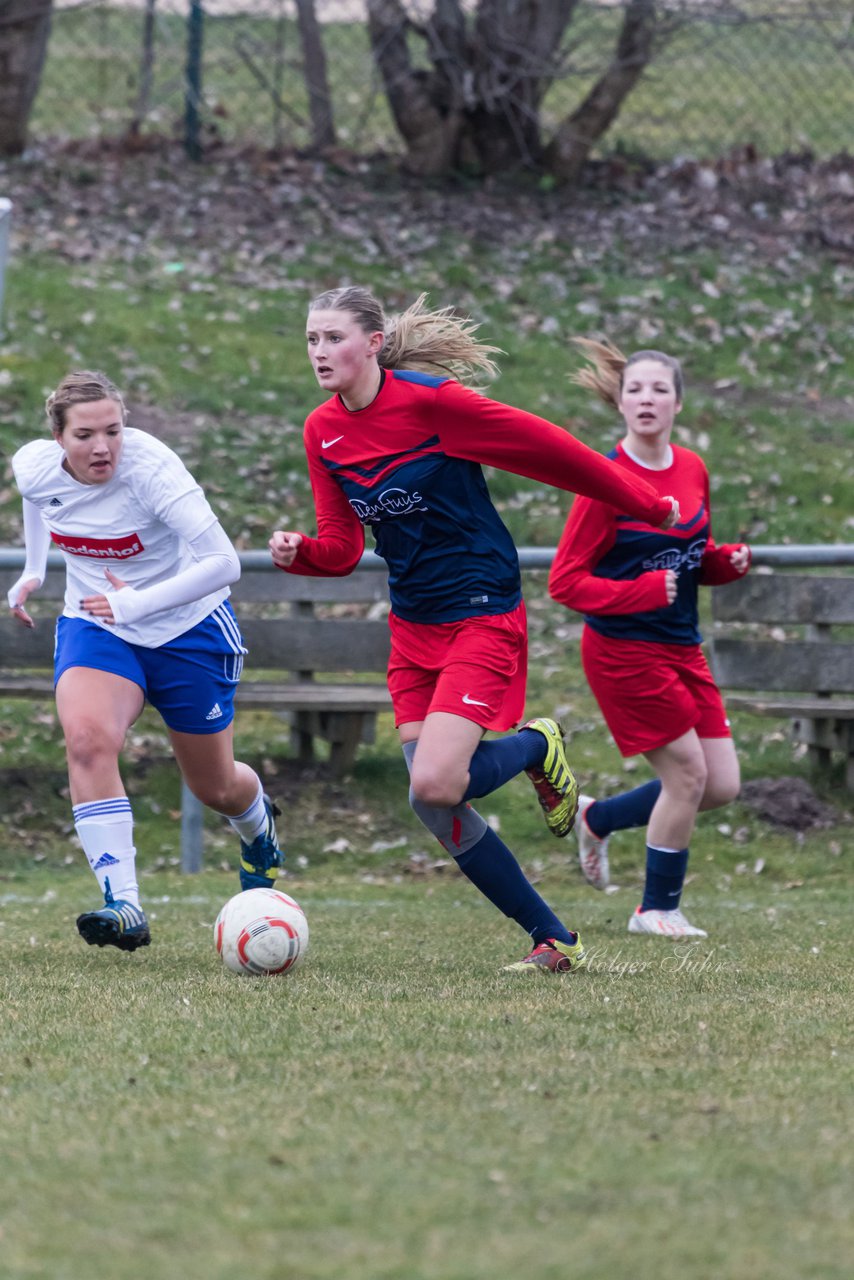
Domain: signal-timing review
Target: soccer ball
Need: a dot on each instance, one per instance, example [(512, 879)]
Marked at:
[(261, 931)]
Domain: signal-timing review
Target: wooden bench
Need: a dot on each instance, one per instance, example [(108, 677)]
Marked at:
[(777, 635), (319, 636)]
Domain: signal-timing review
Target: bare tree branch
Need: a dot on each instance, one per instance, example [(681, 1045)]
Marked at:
[(316, 80), (575, 136)]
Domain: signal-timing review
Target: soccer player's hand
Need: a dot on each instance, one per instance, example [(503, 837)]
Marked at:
[(99, 606), (673, 518), (18, 610), (671, 584), (740, 558), (283, 548)]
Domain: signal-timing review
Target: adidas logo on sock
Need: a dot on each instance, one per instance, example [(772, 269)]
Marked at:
[(215, 712), (105, 860)]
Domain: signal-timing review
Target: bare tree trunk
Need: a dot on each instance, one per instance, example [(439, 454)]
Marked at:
[(314, 72), (425, 104), (574, 138), (478, 106), (515, 61), (24, 31)]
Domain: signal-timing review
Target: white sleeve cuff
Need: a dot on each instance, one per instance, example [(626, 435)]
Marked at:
[(216, 565), (37, 544)]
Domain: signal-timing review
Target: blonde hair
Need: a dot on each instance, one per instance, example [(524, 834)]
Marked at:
[(606, 369), (83, 386), (417, 339)]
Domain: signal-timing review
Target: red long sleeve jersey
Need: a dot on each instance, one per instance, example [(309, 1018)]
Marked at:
[(409, 466), (611, 567)]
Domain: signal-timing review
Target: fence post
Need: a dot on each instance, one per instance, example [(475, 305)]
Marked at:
[(5, 220), (192, 831), (193, 89)]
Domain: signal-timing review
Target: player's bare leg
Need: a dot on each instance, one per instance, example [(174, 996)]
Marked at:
[(446, 744), (232, 788)]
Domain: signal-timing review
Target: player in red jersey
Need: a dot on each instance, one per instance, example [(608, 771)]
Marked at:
[(146, 616), (637, 588), (399, 447)]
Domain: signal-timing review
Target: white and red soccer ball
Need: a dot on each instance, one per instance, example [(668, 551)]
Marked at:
[(261, 931)]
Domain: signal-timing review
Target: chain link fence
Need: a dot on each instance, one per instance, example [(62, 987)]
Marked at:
[(777, 75)]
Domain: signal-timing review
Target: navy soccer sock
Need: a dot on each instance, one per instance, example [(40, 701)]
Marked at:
[(497, 761), (618, 813), (493, 870), (665, 875)]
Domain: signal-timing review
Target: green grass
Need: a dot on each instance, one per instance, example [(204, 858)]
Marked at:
[(768, 361), (399, 1108), (782, 85)]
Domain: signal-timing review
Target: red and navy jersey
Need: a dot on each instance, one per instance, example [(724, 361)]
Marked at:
[(408, 466), (611, 567)]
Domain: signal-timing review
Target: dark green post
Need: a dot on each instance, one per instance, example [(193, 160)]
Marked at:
[(193, 92)]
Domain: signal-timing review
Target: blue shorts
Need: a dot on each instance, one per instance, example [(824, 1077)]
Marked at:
[(190, 680)]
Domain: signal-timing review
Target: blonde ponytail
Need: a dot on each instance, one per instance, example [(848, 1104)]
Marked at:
[(437, 342), (604, 373)]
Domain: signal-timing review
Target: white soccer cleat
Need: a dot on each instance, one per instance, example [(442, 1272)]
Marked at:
[(664, 924), (592, 849)]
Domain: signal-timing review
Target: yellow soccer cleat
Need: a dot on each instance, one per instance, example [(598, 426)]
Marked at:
[(552, 956), (554, 781)]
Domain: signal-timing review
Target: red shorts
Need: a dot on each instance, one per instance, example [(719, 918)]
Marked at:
[(650, 694), (476, 668)]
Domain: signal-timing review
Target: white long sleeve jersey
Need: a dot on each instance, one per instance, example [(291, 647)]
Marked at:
[(140, 525)]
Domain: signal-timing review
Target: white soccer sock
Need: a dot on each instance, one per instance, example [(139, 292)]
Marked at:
[(105, 830), (253, 822)]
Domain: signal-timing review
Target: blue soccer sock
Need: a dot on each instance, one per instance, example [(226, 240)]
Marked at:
[(618, 813), (665, 876), (497, 761), (493, 870)]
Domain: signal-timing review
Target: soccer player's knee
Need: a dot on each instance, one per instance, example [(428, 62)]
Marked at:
[(88, 740), (457, 827), (434, 786)]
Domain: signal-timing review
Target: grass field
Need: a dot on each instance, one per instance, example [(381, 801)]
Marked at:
[(400, 1109)]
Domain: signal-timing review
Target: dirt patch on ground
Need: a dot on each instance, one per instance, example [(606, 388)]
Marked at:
[(790, 803), (244, 212)]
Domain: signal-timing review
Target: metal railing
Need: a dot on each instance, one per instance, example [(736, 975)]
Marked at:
[(773, 555), (5, 223), (530, 558)]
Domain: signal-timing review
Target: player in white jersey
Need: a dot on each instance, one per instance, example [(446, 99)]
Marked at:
[(146, 616)]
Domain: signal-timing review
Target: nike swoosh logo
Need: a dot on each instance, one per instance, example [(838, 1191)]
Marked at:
[(324, 444), (473, 702)]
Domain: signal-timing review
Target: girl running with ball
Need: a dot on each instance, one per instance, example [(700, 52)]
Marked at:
[(399, 447)]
